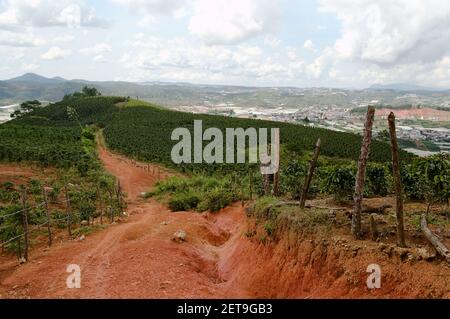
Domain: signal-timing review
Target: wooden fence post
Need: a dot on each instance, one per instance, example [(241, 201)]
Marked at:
[(111, 200), (397, 181), (119, 195), (276, 182), (251, 184), (101, 204), (25, 223), (68, 210), (360, 175), (309, 176), (47, 212)]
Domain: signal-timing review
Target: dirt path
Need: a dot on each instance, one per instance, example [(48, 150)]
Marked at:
[(135, 258)]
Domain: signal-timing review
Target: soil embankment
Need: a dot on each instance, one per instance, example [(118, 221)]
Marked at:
[(137, 258)]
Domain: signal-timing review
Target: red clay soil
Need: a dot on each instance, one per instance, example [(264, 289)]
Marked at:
[(137, 258)]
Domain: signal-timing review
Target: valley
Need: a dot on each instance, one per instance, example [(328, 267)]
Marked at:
[(140, 226)]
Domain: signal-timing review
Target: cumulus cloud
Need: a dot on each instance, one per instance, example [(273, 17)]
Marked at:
[(56, 53), (28, 67), (64, 38), (153, 7), (47, 13), (13, 39), (388, 32), (98, 49), (309, 45), (169, 59), (232, 21)]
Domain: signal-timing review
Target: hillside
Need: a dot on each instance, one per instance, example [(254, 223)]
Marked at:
[(143, 130), (32, 86), (198, 230)]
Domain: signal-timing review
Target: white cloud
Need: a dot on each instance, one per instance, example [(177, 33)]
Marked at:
[(99, 59), (99, 48), (9, 38), (272, 41), (47, 13), (172, 59), (64, 38), (387, 31), (309, 45), (232, 21), (56, 53), (30, 67), (154, 7)]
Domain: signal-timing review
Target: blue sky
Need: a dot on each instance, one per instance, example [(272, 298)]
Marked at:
[(335, 43)]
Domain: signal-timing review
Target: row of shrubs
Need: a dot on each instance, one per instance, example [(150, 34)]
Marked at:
[(423, 179), (199, 193)]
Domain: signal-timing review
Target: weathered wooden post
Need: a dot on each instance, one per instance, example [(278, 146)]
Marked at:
[(47, 212), (111, 211), (360, 175), (309, 176), (276, 183), (25, 223), (373, 228), (250, 179), (397, 181), (99, 195)]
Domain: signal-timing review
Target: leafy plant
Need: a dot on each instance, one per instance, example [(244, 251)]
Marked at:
[(339, 181)]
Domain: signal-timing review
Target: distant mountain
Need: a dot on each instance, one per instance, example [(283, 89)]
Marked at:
[(32, 86), (35, 78), (403, 87)]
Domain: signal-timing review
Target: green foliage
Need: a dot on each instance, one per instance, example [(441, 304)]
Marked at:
[(26, 107), (339, 181), (199, 192), (377, 180), (428, 178), (292, 177), (11, 227), (269, 227), (144, 132), (184, 201), (216, 199), (85, 92)]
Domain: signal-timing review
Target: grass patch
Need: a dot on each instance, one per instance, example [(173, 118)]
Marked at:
[(285, 219), (200, 193)]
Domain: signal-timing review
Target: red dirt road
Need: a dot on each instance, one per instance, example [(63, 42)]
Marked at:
[(135, 258)]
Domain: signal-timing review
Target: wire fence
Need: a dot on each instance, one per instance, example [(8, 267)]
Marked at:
[(72, 218)]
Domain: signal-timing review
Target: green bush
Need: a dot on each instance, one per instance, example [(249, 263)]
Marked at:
[(339, 181), (183, 201), (292, 178), (428, 178), (377, 181), (216, 199)]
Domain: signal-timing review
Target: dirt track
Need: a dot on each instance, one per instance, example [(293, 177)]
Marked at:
[(135, 258)]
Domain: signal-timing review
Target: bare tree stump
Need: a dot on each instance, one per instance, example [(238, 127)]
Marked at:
[(309, 176), (360, 176), (397, 181)]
